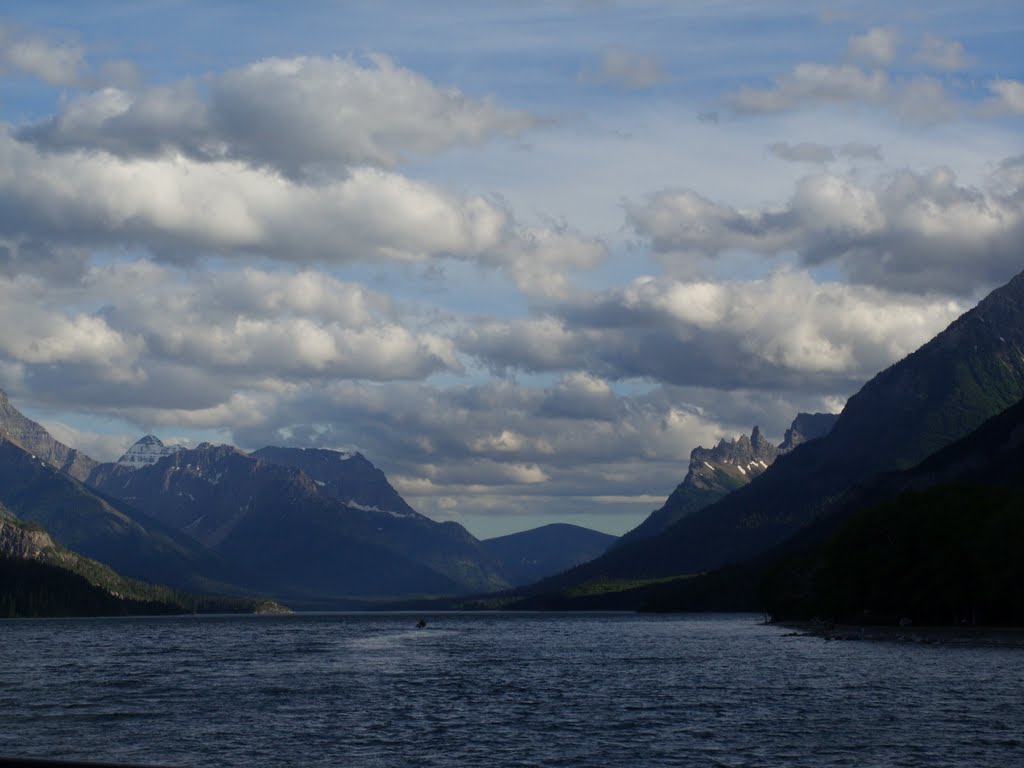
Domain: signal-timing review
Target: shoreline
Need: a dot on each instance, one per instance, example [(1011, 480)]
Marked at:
[(1000, 637)]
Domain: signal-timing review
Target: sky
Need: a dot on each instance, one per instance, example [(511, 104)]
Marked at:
[(523, 256)]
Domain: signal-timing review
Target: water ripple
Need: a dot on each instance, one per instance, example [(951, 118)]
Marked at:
[(498, 690)]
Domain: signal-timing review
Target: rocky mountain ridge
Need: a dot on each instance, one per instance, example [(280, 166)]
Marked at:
[(23, 542), (34, 438)]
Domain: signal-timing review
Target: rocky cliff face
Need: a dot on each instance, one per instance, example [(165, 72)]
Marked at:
[(22, 542), (807, 426), (739, 460), (36, 440)]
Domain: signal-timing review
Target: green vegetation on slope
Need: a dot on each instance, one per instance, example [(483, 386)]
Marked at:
[(31, 589), (42, 578)]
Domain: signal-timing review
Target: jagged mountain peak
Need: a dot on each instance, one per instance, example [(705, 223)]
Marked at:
[(744, 456), (715, 472), (147, 450)]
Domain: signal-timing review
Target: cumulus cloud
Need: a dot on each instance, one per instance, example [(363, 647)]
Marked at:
[(877, 45), (786, 332), (947, 55), (262, 324), (56, 64), (183, 342), (909, 231), (299, 116), (625, 68), (1007, 96), (178, 207)]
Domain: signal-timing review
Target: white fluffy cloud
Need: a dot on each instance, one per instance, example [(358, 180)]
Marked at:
[(785, 332), (56, 64), (912, 231), (299, 116), (36, 335), (178, 207), (162, 334)]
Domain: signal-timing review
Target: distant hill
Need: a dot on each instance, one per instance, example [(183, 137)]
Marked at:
[(530, 555)]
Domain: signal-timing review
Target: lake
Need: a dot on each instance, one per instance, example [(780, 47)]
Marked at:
[(483, 689)]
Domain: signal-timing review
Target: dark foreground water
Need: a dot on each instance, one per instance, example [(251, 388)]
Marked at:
[(498, 690)]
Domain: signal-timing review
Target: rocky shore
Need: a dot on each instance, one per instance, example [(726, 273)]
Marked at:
[(1003, 637)]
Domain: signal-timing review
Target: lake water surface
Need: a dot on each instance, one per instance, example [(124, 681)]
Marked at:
[(479, 689)]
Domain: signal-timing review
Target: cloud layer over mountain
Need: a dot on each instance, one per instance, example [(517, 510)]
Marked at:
[(526, 267)]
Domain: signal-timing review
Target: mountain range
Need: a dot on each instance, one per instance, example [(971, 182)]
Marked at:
[(324, 526), (316, 527)]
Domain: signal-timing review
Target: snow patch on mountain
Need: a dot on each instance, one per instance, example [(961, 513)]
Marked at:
[(148, 450)]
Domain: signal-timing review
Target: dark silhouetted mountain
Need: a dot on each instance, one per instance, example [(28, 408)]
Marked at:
[(36, 440), (807, 426), (447, 547), (278, 527), (540, 552), (347, 476), (99, 528), (968, 373), (939, 543)]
